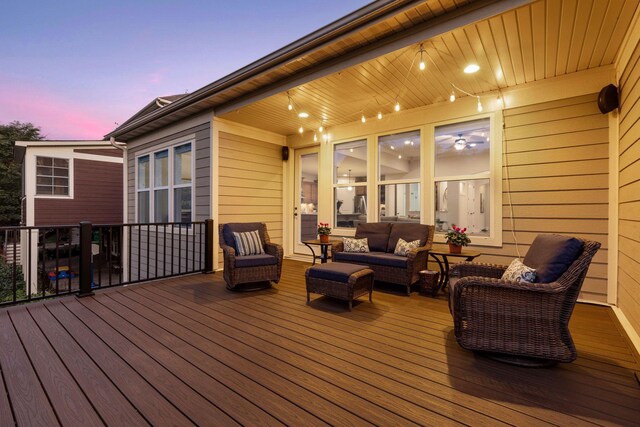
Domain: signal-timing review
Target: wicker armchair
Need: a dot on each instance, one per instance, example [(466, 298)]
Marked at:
[(517, 322), (260, 270)]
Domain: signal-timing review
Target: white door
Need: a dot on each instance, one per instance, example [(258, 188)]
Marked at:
[(305, 198)]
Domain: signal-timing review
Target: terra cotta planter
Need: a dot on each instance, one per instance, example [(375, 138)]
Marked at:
[(324, 238), (455, 249)]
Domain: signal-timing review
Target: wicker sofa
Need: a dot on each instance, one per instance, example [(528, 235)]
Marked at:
[(260, 270), (382, 238), (522, 323)]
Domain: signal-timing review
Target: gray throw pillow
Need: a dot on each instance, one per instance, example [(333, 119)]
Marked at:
[(356, 245), (403, 248)]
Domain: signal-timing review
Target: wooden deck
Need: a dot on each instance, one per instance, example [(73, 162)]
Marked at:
[(187, 351)]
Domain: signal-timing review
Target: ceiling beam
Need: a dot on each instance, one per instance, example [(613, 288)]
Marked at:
[(473, 12)]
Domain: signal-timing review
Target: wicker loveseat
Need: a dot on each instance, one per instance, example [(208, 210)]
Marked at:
[(518, 322), (382, 238), (259, 269)]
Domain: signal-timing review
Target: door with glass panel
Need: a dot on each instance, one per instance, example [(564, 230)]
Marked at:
[(305, 198)]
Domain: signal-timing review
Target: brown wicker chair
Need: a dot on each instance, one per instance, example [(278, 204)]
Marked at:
[(517, 322), (259, 270)]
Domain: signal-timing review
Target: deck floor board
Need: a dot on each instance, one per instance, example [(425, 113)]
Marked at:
[(187, 351)]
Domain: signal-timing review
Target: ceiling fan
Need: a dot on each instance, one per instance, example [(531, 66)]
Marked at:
[(461, 143)]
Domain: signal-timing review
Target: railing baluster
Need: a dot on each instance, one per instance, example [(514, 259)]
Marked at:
[(156, 248), (98, 263), (164, 249), (14, 271), (173, 245), (29, 265), (57, 270), (109, 248), (45, 276), (139, 251), (179, 249), (193, 248), (70, 236)]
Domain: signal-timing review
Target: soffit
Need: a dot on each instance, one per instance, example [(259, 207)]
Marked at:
[(545, 39)]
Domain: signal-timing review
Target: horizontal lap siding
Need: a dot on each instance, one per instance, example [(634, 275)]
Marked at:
[(556, 172), (250, 183), (202, 188), (629, 194), (202, 169), (97, 196)]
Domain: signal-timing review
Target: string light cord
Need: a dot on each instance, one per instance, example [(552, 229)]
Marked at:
[(505, 154)]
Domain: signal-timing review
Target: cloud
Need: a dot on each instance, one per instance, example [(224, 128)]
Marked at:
[(56, 115)]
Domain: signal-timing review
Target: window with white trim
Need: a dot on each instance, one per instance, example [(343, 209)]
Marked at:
[(164, 185), (52, 176), (399, 177), (462, 177), (350, 183)]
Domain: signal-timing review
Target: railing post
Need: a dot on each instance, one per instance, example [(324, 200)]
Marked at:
[(85, 259), (208, 246)]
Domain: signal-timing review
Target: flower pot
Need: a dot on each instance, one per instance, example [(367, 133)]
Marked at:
[(455, 249), (324, 238)]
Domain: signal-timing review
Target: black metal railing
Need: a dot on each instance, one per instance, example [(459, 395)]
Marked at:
[(46, 261)]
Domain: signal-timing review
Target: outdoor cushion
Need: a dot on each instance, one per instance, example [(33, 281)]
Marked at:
[(518, 272), (356, 245), (248, 243), (255, 260), (335, 271), (409, 232), (377, 233), (372, 258), (551, 255), (239, 227), (403, 248)]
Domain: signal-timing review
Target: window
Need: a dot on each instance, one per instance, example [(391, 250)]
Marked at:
[(399, 177), (52, 176), (350, 183), (164, 186), (462, 177)]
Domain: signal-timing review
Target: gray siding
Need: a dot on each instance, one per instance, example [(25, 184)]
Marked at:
[(174, 250), (202, 169)]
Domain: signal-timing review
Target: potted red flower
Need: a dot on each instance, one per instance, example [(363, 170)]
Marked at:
[(323, 231), (457, 238)]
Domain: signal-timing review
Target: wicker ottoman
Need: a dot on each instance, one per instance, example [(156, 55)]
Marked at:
[(339, 280)]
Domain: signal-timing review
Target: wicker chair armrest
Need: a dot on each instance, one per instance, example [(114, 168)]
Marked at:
[(274, 249), (421, 251), (337, 247), (488, 285), (228, 250), (467, 268)]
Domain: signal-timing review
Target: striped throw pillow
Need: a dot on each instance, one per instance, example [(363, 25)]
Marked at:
[(248, 243)]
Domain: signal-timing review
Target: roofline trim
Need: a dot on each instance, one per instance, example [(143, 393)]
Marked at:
[(366, 15)]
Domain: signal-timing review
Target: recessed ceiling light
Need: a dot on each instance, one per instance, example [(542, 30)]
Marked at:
[(303, 115), (471, 68)]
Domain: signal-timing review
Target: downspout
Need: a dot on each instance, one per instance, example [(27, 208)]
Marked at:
[(125, 244)]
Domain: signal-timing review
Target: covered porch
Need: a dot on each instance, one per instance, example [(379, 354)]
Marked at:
[(187, 351)]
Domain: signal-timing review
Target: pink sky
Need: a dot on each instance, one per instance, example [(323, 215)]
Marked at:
[(76, 68)]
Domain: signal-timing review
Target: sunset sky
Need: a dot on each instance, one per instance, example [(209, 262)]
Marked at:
[(75, 68)]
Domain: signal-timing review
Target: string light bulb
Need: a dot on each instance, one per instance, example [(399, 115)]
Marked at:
[(479, 105), (363, 119), (452, 97), (422, 64), (321, 128), (301, 129), (397, 107), (315, 137), (349, 188), (290, 102), (379, 115), (499, 101)]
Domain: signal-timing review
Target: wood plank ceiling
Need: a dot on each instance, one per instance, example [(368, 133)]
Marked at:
[(545, 39)]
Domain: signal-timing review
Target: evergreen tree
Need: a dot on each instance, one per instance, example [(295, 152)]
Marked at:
[(11, 170)]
